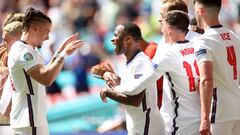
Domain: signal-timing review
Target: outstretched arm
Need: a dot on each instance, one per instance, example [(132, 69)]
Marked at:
[(136, 86), (61, 48), (46, 75)]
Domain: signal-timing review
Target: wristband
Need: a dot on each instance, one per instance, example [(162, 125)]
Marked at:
[(63, 54), (56, 54)]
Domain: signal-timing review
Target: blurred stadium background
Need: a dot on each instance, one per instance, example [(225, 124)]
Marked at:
[(74, 106)]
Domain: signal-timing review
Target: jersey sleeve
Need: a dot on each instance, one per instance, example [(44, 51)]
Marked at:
[(203, 51), (27, 59), (138, 85), (156, 69), (163, 59)]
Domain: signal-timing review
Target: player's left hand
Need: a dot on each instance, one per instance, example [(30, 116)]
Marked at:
[(72, 46), (103, 94), (111, 79), (100, 69)]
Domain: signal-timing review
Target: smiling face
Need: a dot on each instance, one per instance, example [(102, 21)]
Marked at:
[(118, 40)]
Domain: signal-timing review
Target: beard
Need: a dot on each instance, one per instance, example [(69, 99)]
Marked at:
[(119, 50), (119, 47)]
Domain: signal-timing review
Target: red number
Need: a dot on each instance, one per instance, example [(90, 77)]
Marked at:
[(191, 79), (196, 67), (232, 60)]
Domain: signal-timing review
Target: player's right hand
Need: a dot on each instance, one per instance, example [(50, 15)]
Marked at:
[(205, 127)]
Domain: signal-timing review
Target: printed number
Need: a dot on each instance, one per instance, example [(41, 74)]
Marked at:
[(189, 71), (232, 60)]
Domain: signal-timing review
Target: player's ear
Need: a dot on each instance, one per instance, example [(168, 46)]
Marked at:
[(201, 11), (128, 39), (169, 29), (34, 27)]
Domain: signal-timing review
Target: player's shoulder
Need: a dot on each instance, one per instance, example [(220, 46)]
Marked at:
[(141, 58), (192, 35), (19, 46)]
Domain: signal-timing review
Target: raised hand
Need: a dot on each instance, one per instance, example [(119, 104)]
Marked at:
[(72, 46), (67, 41)]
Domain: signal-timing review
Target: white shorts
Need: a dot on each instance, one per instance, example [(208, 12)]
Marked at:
[(226, 128), (30, 131)]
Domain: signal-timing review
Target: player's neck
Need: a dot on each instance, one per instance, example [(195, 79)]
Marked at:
[(27, 39), (143, 44), (207, 23), (131, 53), (177, 38)]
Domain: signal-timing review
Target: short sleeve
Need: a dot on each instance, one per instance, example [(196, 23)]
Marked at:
[(203, 51), (163, 59), (28, 59)]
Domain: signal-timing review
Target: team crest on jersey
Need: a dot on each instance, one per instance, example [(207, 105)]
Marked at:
[(28, 57), (200, 53)]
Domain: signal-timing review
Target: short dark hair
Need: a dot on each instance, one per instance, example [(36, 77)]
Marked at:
[(193, 21), (177, 19), (210, 3), (34, 16), (177, 5), (133, 30)]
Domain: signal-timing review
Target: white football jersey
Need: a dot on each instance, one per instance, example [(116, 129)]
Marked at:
[(190, 36), (29, 105), (221, 46), (181, 102), (145, 119)]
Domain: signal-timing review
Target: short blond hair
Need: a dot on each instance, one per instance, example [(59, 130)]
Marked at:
[(12, 18), (13, 28), (176, 5)]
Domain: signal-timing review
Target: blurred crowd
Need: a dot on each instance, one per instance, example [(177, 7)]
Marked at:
[(95, 20)]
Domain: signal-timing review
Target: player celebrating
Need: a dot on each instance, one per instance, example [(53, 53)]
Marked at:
[(29, 75), (218, 54), (181, 107), (142, 114)]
